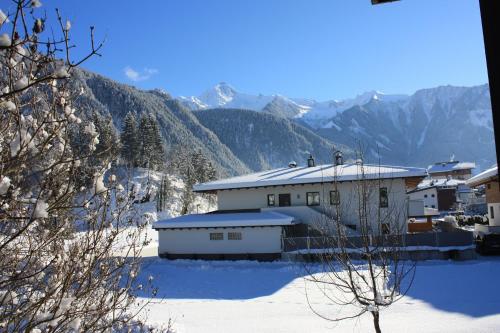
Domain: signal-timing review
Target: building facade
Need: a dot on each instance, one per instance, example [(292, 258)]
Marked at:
[(451, 169), (257, 211), (331, 190), (489, 179)]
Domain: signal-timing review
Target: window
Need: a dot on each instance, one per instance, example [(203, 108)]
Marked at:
[(270, 200), (433, 206), (285, 199), (433, 195), (334, 198), (234, 235), (492, 212), (312, 198), (425, 195), (489, 186), (386, 229), (215, 236), (383, 197)]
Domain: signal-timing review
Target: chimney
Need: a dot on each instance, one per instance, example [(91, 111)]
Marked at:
[(310, 161), (338, 158)]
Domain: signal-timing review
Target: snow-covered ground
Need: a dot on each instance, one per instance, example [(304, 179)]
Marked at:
[(246, 296), (144, 181)]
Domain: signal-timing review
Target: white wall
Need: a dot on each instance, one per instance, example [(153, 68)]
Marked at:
[(429, 201), (496, 210), (254, 198), (197, 241)]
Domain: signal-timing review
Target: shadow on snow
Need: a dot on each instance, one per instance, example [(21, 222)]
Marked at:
[(229, 280), (470, 288)]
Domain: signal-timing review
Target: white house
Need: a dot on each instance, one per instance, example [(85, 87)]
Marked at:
[(305, 197), (453, 169), (489, 178), (488, 236), (442, 194), (250, 235)]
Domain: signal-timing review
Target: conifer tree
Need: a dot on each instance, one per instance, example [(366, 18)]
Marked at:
[(129, 141), (193, 167), (151, 151), (158, 151), (109, 144), (95, 143), (145, 141)]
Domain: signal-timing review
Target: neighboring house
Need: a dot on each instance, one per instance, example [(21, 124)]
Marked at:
[(489, 179), (453, 169), (442, 194), (250, 235), (304, 196), (488, 236)]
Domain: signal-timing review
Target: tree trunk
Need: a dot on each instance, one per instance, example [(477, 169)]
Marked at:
[(376, 321)]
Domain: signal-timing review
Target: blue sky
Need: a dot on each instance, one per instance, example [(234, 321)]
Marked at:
[(320, 49)]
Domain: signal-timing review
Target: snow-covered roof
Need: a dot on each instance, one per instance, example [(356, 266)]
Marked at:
[(450, 166), (215, 220), (442, 182), (483, 177), (308, 175)]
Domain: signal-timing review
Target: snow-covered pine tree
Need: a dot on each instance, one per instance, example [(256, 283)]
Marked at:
[(158, 151), (129, 141), (164, 192), (150, 143), (204, 172), (109, 144), (203, 167), (193, 167), (146, 141), (96, 143)]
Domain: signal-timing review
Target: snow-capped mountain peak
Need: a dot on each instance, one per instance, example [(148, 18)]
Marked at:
[(220, 95), (223, 95)]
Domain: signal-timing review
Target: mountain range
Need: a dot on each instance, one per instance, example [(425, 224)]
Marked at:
[(419, 129), (243, 132)]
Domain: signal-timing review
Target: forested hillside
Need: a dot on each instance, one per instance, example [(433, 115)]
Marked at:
[(263, 140)]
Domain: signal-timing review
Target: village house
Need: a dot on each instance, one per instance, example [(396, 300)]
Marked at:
[(443, 194), (489, 179), (453, 169), (291, 200), (488, 236)]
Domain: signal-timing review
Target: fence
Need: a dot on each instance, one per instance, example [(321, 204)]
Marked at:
[(430, 239)]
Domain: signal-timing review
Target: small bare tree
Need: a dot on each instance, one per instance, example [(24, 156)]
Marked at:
[(69, 253), (364, 268)]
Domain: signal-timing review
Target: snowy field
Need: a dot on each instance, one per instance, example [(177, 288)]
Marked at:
[(246, 296)]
